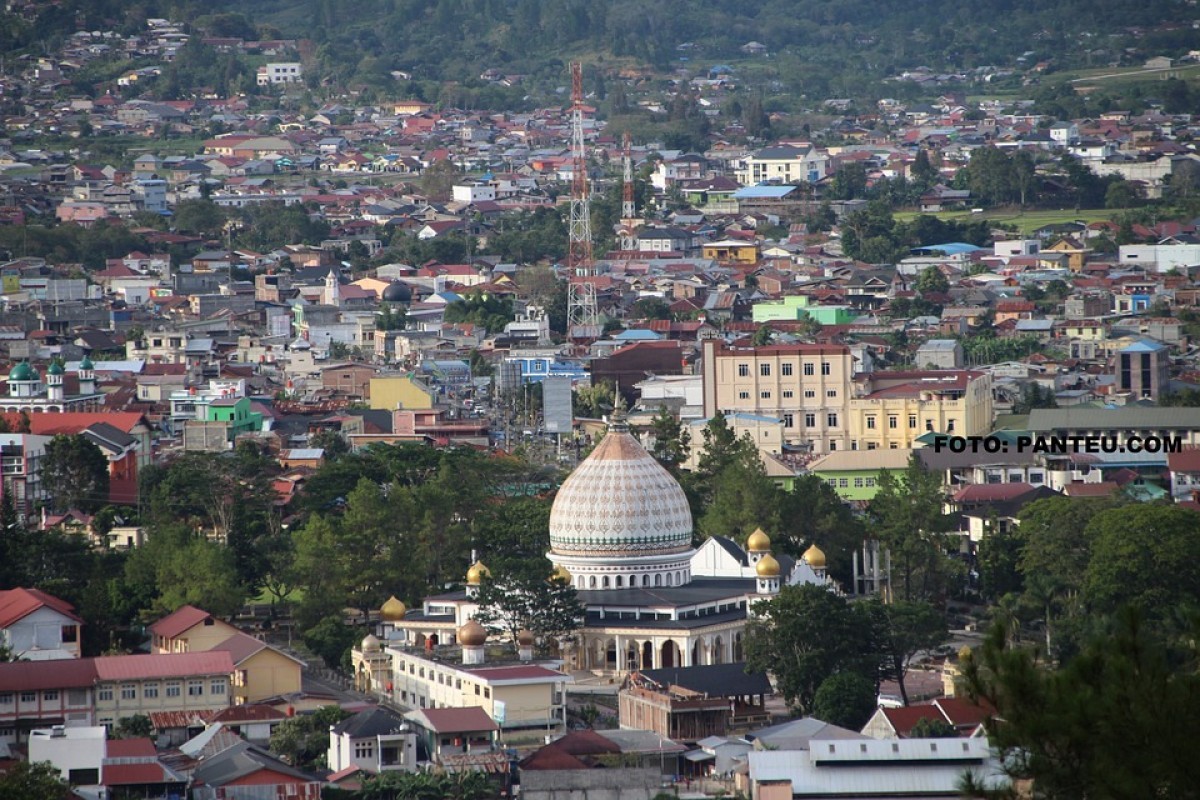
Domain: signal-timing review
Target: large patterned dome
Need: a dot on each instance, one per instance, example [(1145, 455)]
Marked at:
[(620, 502)]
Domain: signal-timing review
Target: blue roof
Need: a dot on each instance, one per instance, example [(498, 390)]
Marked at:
[(1143, 345), (949, 248), (763, 191), (637, 335)]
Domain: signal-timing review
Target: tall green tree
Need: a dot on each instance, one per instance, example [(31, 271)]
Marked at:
[(910, 520), (807, 633), (812, 513), (23, 781), (530, 598), (906, 629), (846, 699), (75, 473)]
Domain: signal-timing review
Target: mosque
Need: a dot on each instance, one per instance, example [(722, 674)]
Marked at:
[(28, 392), (621, 534)]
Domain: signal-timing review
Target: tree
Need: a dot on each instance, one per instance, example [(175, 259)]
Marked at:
[(650, 308), (846, 699), (202, 217), (138, 726), (807, 633), (932, 280), (909, 519), (23, 781), (907, 628), (1119, 720), (1143, 555), (530, 598), (742, 498), (75, 473), (813, 513), (304, 740), (331, 639), (672, 441), (926, 728), (331, 442)]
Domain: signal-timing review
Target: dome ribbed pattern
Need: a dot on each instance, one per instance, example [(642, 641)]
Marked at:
[(620, 502)]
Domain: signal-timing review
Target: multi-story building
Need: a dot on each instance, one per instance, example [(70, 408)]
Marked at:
[(28, 392), (890, 410), (1143, 369), (805, 385), (784, 164), (277, 72), (21, 464)]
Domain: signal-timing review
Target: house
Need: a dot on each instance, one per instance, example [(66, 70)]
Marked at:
[(1185, 474), (784, 164), (260, 670), (188, 629), (965, 717), (446, 733), (375, 740), (36, 626), (246, 770), (694, 703), (254, 722)]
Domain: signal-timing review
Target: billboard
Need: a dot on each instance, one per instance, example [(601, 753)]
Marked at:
[(557, 404)]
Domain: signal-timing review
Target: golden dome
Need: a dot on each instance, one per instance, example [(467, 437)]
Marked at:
[(477, 573), (767, 567), (758, 542), (525, 637), (370, 644), (814, 557), (472, 634), (561, 573), (964, 652), (393, 610)]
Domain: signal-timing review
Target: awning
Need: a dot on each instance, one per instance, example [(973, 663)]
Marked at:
[(699, 755)]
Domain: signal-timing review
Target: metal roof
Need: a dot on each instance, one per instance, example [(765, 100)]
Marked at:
[(1139, 418)]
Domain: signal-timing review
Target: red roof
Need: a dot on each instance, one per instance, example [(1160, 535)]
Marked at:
[(130, 748), (164, 720), (63, 673), (252, 712), (1188, 460), (992, 492), (1103, 489), (458, 720), (961, 713), (903, 719), (69, 422), (16, 604), (182, 619), (134, 774), (163, 665)]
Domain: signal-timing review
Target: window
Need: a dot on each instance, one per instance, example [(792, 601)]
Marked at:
[(6, 699), (831, 420), (825, 368), (810, 393), (831, 392), (765, 395), (893, 422), (788, 394), (808, 368), (150, 691), (785, 369), (870, 423), (872, 445), (928, 424), (364, 749), (843, 483), (764, 370), (949, 426), (870, 482), (743, 370), (810, 420), (195, 688), (789, 421), (743, 395), (50, 695), (832, 482), (28, 697), (1036, 478), (105, 694), (858, 483), (216, 687), (129, 691), (912, 420)]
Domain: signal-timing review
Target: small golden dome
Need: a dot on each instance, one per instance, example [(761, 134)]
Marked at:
[(814, 557), (964, 653), (393, 610), (370, 643), (477, 573), (758, 542), (472, 634), (561, 574), (525, 637), (767, 567)]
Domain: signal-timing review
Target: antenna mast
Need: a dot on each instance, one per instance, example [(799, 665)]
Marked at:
[(583, 317), (627, 207)]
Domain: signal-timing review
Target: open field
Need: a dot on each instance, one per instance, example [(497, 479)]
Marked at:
[(1026, 221)]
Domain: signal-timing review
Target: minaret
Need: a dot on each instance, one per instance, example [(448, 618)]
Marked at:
[(332, 294), (87, 376), (525, 639), (55, 391), (757, 545), (475, 576), (471, 637), (767, 572), (815, 558)]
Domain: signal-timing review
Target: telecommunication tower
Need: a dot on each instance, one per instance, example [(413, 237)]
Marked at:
[(583, 316), (628, 211)]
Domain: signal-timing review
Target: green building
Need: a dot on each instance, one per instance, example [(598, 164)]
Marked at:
[(236, 414), (795, 307), (854, 474)]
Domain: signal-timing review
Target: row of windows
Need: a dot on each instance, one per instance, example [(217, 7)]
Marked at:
[(785, 369), (788, 394), (442, 678), (129, 691), (844, 483)]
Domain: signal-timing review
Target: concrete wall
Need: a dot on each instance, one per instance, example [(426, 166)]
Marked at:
[(590, 784)]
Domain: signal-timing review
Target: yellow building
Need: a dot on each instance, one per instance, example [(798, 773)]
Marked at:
[(1073, 249), (168, 682), (890, 410), (731, 251), (400, 391), (188, 630), (805, 385)]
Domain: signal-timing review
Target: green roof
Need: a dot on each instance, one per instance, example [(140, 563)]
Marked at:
[(55, 369), (23, 372), (86, 363)]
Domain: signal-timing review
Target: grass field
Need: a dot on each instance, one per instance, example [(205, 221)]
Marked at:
[(1026, 221)]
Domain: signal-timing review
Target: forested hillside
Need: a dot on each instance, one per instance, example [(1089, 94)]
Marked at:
[(818, 48)]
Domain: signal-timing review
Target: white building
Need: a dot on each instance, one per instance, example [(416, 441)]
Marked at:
[(474, 192), (36, 626), (280, 72), (77, 753), (376, 740), (1160, 258)]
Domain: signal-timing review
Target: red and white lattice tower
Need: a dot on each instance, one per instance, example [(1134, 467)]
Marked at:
[(628, 211), (583, 316)]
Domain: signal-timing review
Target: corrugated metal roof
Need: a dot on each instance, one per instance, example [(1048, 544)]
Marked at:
[(1138, 418), (165, 665)]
